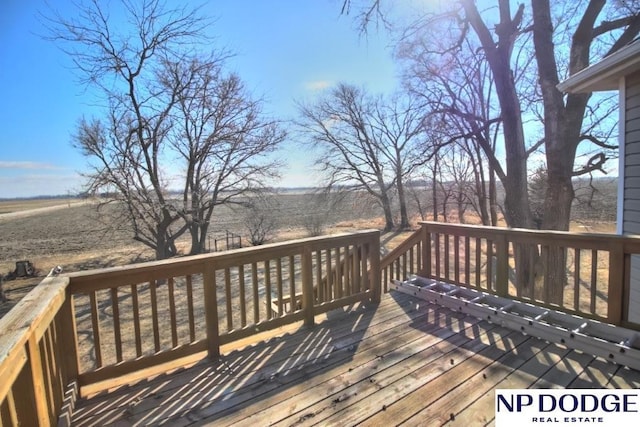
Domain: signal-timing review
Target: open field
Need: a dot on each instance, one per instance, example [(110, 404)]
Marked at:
[(74, 235), (79, 237), (20, 205)]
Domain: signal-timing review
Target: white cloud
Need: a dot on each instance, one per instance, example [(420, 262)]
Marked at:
[(25, 165), (317, 85)]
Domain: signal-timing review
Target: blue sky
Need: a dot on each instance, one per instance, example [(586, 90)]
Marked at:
[(285, 50)]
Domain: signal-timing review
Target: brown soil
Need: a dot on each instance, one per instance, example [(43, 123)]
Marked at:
[(77, 237)]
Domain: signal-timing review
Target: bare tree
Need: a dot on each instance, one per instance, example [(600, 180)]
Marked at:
[(126, 147), (368, 143), (341, 126), (259, 219), (566, 39), (223, 138), (399, 132), (164, 101), (456, 89), (320, 207)]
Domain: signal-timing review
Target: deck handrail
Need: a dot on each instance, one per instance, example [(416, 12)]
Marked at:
[(482, 257), (54, 342), (34, 370), (44, 338), (403, 261)]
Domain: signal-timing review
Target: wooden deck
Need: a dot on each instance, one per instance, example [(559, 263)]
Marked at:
[(401, 362)]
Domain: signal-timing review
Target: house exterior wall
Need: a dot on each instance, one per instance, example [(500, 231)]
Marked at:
[(631, 205)]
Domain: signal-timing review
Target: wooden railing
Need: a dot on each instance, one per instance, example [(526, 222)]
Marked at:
[(596, 266), (404, 260), (79, 333), (35, 372)]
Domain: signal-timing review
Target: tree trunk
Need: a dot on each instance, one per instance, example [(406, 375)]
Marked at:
[(388, 215), (562, 128), (493, 197), (516, 201), (198, 233), (404, 217), (434, 187)]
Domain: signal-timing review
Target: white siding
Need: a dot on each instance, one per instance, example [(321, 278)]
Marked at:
[(630, 127)]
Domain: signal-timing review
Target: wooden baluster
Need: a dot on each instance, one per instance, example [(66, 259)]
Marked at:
[(615, 292), (279, 286), (502, 266), (307, 288), (357, 285), (322, 288), (405, 271), (192, 323), (13, 411), (467, 261), (478, 263), (117, 332), (437, 260), (456, 259), (243, 298), (576, 279), (228, 298), (594, 280), (339, 282), (256, 298), (154, 314), (490, 272), (346, 273), (364, 271), (38, 381), (411, 269), (69, 336), (267, 285), (546, 286), (386, 279), (446, 257), (172, 313), (95, 326), (330, 294), (292, 284), (135, 308)]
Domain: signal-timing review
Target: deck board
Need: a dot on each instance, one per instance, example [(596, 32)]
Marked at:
[(403, 361)]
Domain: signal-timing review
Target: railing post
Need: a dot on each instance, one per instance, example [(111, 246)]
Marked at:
[(307, 287), (426, 252), (615, 296), (375, 279), (502, 265), (211, 311)]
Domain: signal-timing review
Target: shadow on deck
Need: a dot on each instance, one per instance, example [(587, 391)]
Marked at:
[(400, 361)]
